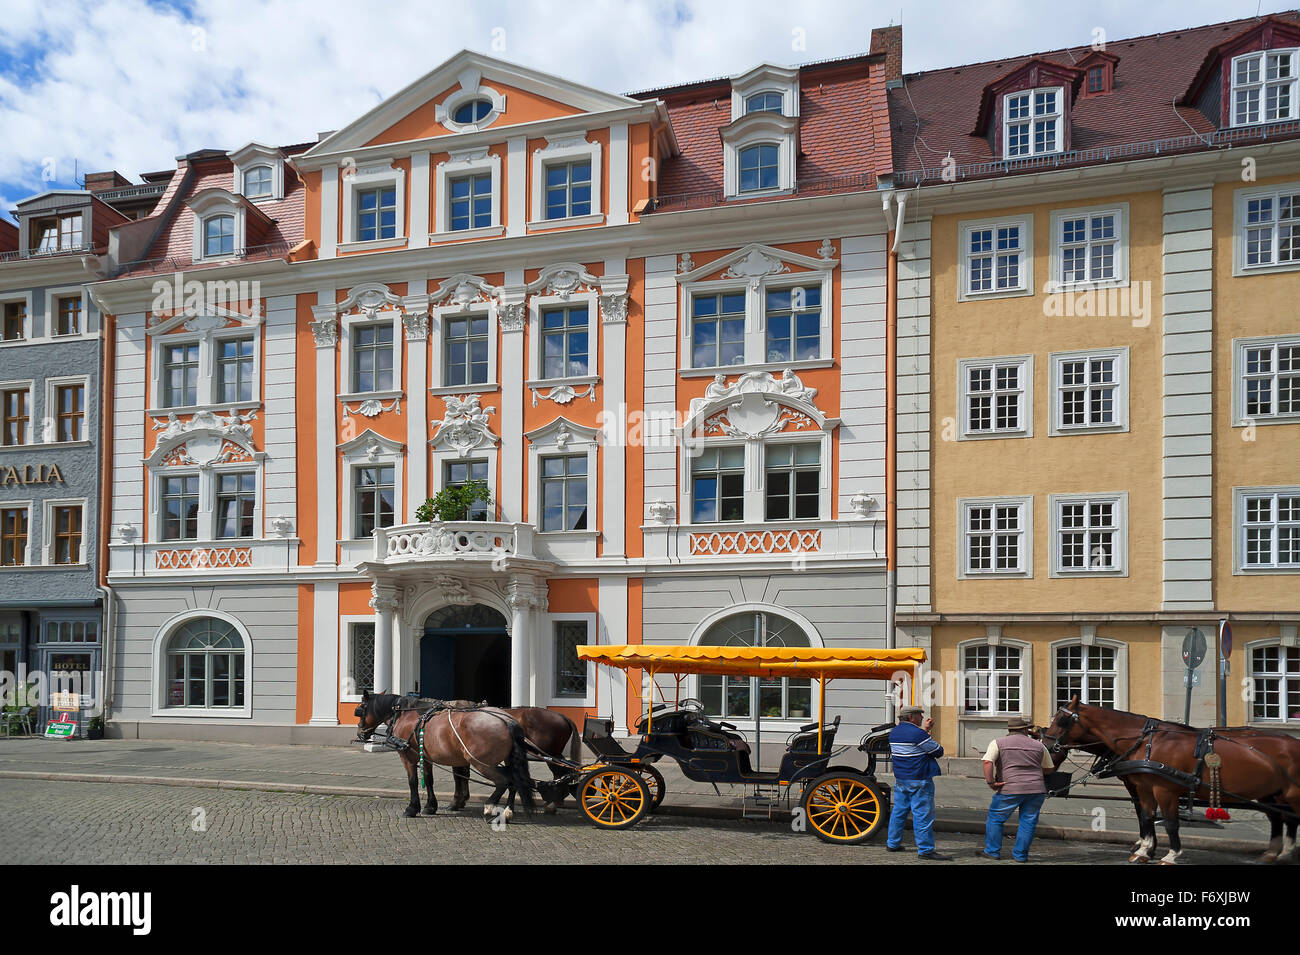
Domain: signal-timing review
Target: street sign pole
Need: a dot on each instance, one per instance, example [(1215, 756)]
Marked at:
[(1193, 653), (1225, 653)]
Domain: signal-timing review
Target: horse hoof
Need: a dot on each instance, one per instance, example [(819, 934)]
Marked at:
[(410, 812), (1138, 858), (508, 815), (1269, 858), (487, 811), (1163, 862), (550, 809), (430, 810)]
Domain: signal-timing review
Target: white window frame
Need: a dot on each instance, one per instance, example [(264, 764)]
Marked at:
[(1283, 643), (1026, 258), (1025, 570), (471, 88), (206, 389), (28, 385), (1262, 85), (537, 304), (346, 679), (206, 529), (52, 298), (49, 421), (1026, 674), (437, 367), (559, 150), (357, 454), (1239, 495), (251, 157), (347, 353), (30, 507), (159, 663), (563, 438), (1120, 356), (1239, 348), (1120, 545), (1025, 363), (47, 529), (1090, 639), (468, 162), (759, 129), (1121, 257), (28, 318), (208, 205), (1240, 206), (549, 621), (1058, 115), (244, 178), (372, 176), (441, 457), (755, 500)]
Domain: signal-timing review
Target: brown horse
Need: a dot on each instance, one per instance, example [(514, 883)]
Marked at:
[(1260, 769), (481, 738)]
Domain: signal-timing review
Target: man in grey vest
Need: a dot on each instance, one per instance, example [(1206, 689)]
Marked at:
[(1014, 767)]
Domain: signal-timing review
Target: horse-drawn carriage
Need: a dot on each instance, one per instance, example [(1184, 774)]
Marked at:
[(840, 803)]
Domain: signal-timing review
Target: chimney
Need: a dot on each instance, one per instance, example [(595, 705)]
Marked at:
[(100, 181), (889, 41)]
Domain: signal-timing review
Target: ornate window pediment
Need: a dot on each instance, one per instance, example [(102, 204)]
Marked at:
[(755, 405), (755, 262), (205, 439), (464, 290), (371, 446), (464, 426)]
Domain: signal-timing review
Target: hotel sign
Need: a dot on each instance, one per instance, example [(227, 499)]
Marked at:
[(30, 474)]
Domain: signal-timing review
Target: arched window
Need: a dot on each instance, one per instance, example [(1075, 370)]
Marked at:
[(1090, 671), (764, 103), (257, 182), (218, 236), (739, 697), (472, 112), (994, 677), (760, 168), (205, 665)]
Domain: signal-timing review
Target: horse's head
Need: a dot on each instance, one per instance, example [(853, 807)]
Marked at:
[(373, 710), (1066, 730)]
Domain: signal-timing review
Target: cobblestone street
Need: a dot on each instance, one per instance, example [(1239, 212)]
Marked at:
[(58, 822)]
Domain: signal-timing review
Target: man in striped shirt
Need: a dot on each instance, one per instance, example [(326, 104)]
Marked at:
[(915, 757)]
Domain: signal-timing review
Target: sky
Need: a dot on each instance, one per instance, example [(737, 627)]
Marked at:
[(131, 84)]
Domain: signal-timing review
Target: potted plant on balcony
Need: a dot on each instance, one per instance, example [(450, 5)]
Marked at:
[(454, 503)]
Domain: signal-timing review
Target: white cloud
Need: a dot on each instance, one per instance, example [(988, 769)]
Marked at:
[(129, 85)]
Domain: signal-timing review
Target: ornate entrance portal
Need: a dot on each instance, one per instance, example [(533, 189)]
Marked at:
[(465, 655)]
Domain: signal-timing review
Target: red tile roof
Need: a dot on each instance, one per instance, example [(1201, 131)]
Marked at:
[(933, 113)]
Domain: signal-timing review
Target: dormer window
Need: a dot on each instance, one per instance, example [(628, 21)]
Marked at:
[(56, 234), (1033, 123), (760, 168), (258, 182), (1096, 79), (472, 112), (218, 236), (1264, 87), (765, 103), (259, 172)]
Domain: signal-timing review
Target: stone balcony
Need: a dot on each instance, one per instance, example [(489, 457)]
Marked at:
[(485, 541), (801, 542), (134, 559)]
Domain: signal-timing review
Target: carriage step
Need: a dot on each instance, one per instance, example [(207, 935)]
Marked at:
[(761, 803)]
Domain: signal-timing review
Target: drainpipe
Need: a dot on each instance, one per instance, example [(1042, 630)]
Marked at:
[(891, 429), (106, 323)]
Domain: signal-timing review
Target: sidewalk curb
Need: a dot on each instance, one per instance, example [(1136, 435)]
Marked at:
[(970, 827)]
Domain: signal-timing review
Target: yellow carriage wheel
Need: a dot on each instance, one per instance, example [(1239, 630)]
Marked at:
[(654, 781), (613, 798), (843, 808)]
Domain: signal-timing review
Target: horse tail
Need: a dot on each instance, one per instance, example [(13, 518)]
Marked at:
[(518, 768)]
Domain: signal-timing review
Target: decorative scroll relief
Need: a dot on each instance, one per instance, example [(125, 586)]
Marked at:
[(325, 332), (463, 290), (754, 405), (754, 267), (512, 316), (205, 439), (205, 557), (613, 309), (371, 407), (203, 317), (564, 279), (728, 543), (465, 424), (442, 541), (563, 394), (661, 512), (751, 424)]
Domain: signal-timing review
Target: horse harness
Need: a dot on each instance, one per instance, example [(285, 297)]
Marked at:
[(1203, 751)]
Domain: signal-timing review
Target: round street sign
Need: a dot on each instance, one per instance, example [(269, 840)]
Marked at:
[(1225, 639), (1193, 648)]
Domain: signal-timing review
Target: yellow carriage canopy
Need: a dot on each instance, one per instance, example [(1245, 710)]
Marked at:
[(817, 662)]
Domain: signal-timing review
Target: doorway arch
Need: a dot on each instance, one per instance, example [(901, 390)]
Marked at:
[(465, 655)]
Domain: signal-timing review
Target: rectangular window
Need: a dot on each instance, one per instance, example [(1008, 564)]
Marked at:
[(180, 375), (793, 319), (1276, 674), (70, 405), (1033, 123), (568, 189), (374, 496), (460, 473), (234, 370), (15, 321), (564, 493), (1088, 535), (68, 320), (372, 358), (1090, 673), (1087, 247), (793, 478), (1270, 528), (1270, 229), (992, 677), (471, 202), (718, 330), (996, 397), (1270, 379), (362, 658), (61, 234), (16, 416), (1264, 87), (1096, 79), (71, 631), (67, 534), (377, 213), (465, 350), (718, 485), (565, 342), (1087, 392), (236, 499), (995, 256), (13, 536), (180, 508), (995, 538), (570, 673)]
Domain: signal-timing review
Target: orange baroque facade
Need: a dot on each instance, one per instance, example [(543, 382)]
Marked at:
[(653, 326)]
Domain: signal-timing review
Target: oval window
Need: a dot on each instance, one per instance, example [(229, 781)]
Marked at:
[(472, 112)]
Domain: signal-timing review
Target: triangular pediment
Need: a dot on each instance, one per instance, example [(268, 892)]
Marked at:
[(517, 95), (755, 261)]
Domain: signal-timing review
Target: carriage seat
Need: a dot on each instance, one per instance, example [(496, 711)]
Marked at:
[(805, 741)]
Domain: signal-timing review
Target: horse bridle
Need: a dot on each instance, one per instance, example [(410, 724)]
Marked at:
[(1072, 717)]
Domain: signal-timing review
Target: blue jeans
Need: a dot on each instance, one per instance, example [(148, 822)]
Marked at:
[(916, 796), (1000, 810)]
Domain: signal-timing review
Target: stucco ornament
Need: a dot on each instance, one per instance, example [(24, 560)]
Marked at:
[(755, 267), (745, 409), (465, 424)]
